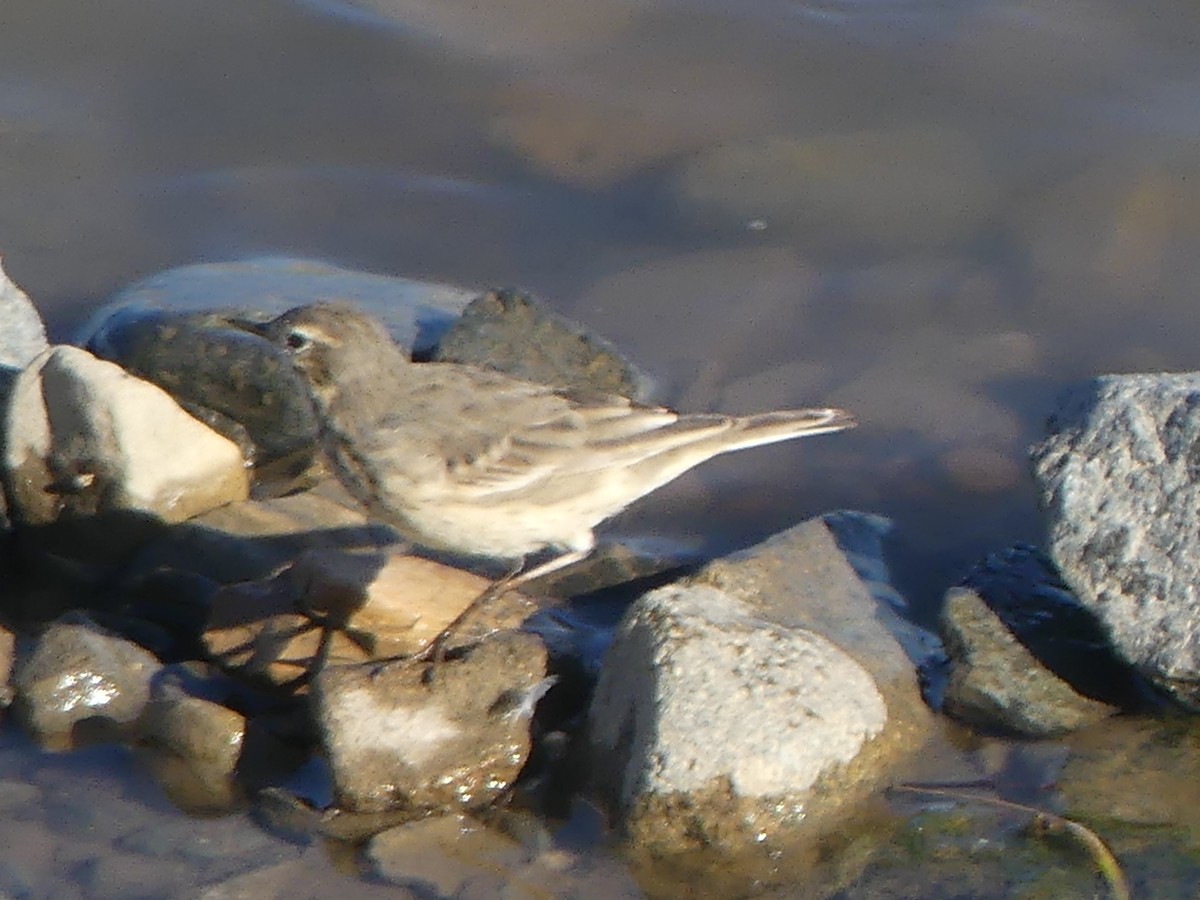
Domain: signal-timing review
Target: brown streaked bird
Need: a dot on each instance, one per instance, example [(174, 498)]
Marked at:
[(475, 462)]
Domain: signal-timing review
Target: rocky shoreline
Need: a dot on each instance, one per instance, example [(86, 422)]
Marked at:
[(181, 574)]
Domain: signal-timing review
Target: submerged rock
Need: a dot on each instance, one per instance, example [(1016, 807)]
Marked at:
[(907, 187), (1120, 489), (996, 683), (79, 684), (759, 700), (456, 743)]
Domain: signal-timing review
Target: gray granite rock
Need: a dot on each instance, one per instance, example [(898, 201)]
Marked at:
[(1120, 488), (80, 683), (760, 700)]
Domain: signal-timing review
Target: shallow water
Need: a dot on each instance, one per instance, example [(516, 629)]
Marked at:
[(935, 214)]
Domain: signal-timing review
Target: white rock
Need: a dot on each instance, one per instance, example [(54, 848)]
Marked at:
[(23, 336), (85, 436)]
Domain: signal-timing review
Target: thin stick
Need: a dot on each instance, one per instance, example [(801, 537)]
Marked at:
[(1048, 823)]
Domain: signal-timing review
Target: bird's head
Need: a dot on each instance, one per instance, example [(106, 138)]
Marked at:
[(335, 346)]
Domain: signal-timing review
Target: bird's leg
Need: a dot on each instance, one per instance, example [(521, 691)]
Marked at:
[(435, 653)]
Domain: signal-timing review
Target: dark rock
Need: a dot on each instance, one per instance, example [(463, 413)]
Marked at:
[(416, 313), (509, 331), (236, 382)]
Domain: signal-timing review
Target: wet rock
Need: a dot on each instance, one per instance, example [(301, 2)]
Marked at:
[(235, 382), (333, 607), (394, 741), (760, 699), (996, 683), (907, 187), (1025, 655), (195, 742), (613, 565), (79, 684), (1119, 490), (416, 313), (23, 336), (510, 331), (108, 455)]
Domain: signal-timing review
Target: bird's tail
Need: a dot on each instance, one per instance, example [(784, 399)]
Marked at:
[(783, 425)]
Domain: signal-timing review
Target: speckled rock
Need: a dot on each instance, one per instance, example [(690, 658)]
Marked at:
[(80, 683), (87, 442), (758, 701), (1120, 490), (457, 743), (234, 381), (510, 331)]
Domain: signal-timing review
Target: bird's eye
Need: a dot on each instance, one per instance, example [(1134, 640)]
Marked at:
[(297, 341)]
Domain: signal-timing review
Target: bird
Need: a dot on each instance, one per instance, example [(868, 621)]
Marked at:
[(474, 462)]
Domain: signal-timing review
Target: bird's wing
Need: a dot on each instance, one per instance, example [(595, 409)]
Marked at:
[(490, 434)]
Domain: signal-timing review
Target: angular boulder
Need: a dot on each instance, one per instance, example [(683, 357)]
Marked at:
[(1119, 476), (756, 703)]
